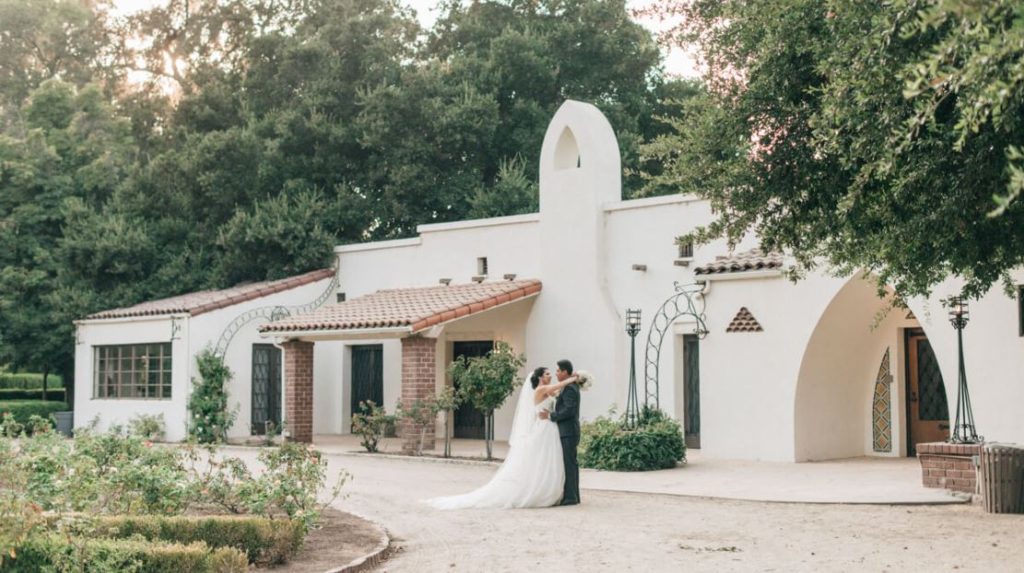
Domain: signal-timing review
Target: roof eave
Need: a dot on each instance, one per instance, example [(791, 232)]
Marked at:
[(340, 334), (739, 275)]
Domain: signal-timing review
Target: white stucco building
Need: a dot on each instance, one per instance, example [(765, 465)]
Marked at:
[(764, 369)]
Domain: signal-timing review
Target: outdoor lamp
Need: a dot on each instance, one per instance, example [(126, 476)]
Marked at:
[(632, 321)]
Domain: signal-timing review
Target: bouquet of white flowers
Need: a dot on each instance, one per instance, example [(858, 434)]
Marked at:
[(584, 379)]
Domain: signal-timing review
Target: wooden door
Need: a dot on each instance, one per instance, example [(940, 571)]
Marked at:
[(691, 390), (927, 410), (469, 422), (266, 388), (367, 376)]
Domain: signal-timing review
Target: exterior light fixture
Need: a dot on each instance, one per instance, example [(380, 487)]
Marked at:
[(510, 276), (964, 431), (632, 404), (445, 282)]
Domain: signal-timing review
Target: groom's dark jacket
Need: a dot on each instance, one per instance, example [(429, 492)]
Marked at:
[(567, 411)]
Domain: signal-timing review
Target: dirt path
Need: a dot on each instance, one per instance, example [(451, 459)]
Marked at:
[(647, 533)]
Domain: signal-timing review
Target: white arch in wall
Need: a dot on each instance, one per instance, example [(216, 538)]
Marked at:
[(567, 151), (835, 385)]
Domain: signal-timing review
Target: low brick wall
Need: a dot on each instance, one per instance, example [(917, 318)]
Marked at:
[(949, 466)]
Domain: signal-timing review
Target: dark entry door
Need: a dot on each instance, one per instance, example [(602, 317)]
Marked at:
[(367, 375), (691, 390), (469, 422), (266, 387), (926, 394)]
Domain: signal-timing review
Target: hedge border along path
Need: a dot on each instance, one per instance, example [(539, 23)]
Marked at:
[(22, 410)]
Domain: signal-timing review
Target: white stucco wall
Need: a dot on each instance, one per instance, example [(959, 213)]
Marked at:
[(106, 412), (993, 355), (195, 334)]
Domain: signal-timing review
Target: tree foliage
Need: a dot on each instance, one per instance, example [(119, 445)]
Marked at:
[(870, 135), (195, 145)]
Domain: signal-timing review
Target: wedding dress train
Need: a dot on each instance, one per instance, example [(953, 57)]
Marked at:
[(533, 473)]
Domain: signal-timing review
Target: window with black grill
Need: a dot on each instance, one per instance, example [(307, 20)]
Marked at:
[(686, 250), (132, 371)]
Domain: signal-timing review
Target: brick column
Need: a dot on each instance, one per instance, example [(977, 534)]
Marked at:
[(298, 389), (949, 466), (418, 382)]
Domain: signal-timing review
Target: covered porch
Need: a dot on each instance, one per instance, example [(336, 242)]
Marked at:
[(396, 342)]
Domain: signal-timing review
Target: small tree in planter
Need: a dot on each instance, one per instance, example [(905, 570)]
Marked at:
[(422, 413), (447, 402), (487, 381), (209, 417)]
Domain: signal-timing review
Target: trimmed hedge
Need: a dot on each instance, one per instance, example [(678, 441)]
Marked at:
[(24, 410), (7, 395), (28, 381), (263, 541), (45, 552), (656, 443)]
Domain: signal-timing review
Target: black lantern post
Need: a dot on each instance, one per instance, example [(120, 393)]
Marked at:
[(632, 404), (963, 428)]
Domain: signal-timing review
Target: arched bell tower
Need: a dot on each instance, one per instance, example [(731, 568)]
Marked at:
[(580, 173)]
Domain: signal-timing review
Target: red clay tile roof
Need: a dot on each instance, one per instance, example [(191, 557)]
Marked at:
[(415, 308), (196, 303), (752, 260), (744, 321)]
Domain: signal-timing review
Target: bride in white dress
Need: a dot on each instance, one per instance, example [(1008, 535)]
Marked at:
[(533, 473)]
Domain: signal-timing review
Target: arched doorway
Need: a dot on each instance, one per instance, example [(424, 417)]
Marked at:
[(852, 394)]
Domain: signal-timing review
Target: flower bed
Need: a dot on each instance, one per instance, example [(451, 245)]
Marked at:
[(122, 500)]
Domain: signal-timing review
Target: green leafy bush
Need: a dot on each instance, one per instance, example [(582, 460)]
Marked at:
[(148, 426), (28, 381), (264, 541), (420, 414), (53, 394), (288, 486), (56, 552), (209, 416), (23, 410), (656, 443), (371, 423)]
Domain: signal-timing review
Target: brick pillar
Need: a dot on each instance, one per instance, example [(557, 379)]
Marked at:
[(949, 466), (418, 383), (298, 389)]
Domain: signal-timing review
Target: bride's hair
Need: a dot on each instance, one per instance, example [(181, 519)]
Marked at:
[(535, 377)]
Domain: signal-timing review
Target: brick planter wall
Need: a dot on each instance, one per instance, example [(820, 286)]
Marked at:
[(949, 466), (418, 382), (298, 390)]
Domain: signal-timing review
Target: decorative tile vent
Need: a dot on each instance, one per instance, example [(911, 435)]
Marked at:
[(881, 410), (744, 322)]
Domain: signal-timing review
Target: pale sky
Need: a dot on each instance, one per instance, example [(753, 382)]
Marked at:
[(677, 61)]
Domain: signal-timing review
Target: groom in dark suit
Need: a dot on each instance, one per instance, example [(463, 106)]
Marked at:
[(567, 416)]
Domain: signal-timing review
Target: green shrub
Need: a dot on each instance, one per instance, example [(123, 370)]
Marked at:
[(55, 552), (28, 381), (148, 426), (23, 410), (264, 541), (371, 424), (53, 394), (656, 443), (209, 416)]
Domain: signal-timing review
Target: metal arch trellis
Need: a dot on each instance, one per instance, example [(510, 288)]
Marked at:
[(270, 313), (681, 303)]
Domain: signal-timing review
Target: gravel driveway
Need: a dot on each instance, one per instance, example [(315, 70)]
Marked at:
[(614, 531)]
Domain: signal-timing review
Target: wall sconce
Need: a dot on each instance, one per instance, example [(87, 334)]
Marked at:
[(445, 282), (510, 276), (478, 278)]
